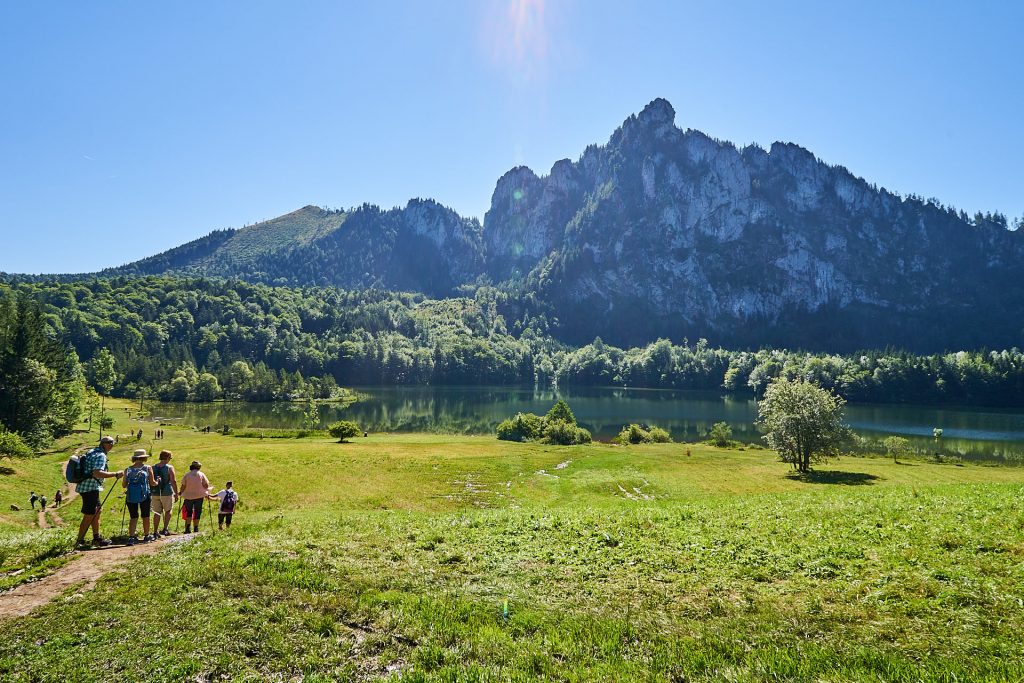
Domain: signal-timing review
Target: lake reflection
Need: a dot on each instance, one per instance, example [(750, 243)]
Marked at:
[(975, 434)]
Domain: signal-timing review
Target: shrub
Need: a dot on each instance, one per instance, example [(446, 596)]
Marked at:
[(344, 429), (560, 412), (522, 427), (720, 434), (634, 434), (13, 446), (659, 435), (563, 433)]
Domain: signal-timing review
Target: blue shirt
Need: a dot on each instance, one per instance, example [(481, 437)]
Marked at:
[(95, 459)]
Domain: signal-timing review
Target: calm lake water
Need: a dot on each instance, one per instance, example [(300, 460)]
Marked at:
[(972, 434)]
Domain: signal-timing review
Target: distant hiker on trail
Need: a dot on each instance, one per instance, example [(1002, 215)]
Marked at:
[(139, 437), (164, 494), (58, 498), (32, 500), (89, 490), (42, 502), (137, 482), (228, 499), (194, 490)]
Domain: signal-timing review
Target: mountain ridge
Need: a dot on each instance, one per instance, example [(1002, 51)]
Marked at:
[(665, 232)]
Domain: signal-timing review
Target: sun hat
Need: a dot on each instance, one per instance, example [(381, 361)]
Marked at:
[(195, 465), (140, 454)]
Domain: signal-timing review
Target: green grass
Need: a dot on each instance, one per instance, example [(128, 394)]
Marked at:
[(439, 558)]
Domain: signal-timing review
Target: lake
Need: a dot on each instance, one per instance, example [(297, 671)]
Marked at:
[(976, 434)]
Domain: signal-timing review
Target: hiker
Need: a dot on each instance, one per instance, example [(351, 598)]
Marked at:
[(138, 480), (165, 493), (139, 437), (194, 490), (228, 499), (32, 500), (89, 490), (42, 502), (58, 498)]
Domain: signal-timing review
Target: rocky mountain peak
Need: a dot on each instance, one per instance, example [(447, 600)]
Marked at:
[(657, 113)]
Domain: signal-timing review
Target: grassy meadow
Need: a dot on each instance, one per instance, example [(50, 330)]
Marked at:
[(442, 558)]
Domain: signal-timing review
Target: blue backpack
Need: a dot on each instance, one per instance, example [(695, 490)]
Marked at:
[(138, 483)]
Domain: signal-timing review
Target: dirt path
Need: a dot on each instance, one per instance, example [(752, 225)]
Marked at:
[(69, 494), (83, 571)]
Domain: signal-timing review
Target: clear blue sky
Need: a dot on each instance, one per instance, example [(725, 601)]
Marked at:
[(127, 127)]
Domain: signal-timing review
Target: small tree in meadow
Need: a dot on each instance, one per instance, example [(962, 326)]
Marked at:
[(720, 434), (896, 446), (802, 422), (344, 429)]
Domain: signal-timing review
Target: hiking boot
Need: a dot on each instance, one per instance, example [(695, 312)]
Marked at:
[(131, 541), (100, 542), (82, 545), (148, 538)]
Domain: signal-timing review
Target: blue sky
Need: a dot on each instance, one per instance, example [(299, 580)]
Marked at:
[(128, 128)]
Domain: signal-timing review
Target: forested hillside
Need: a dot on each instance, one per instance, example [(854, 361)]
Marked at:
[(173, 336)]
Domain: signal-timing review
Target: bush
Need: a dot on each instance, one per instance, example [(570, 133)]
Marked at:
[(13, 446), (344, 429), (634, 434), (522, 427), (563, 433), (659, 435), (720, 434), (560, 412)]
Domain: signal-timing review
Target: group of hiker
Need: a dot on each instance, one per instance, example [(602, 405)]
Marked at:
[(149, 490), (41, 499)]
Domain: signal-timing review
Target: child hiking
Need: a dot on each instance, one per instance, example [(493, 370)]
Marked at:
[(228, 499), (138, 480)]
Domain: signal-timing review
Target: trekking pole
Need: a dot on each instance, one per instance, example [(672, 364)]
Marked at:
[(124, 506), (213, 529)]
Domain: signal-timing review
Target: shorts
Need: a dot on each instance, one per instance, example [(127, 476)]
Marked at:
[(163, 505), (193, 509), (90, 501), (133, 508)]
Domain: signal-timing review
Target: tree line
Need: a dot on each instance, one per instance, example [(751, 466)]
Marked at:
[(200, 339)]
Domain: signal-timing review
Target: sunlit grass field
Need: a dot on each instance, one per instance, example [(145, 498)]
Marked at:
[(425, 557)]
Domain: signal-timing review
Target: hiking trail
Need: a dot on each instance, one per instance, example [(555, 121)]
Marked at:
[(86, 568), (83, 571)]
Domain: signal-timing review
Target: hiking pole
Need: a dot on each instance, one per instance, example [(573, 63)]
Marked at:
[(124, 506)]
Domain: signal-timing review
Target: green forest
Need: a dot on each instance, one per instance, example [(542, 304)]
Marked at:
[(203, 339)]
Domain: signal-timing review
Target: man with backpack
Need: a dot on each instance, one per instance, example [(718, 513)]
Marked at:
[(164, 494), (32, 500), (94, 464)]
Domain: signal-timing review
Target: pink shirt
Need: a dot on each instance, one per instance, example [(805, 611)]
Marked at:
[(194, 485)]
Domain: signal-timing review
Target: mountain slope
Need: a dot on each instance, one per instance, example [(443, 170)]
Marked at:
[(673, 233), (664, 232)]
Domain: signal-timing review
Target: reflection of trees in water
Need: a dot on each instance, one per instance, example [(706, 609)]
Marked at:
[(604, 411)]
